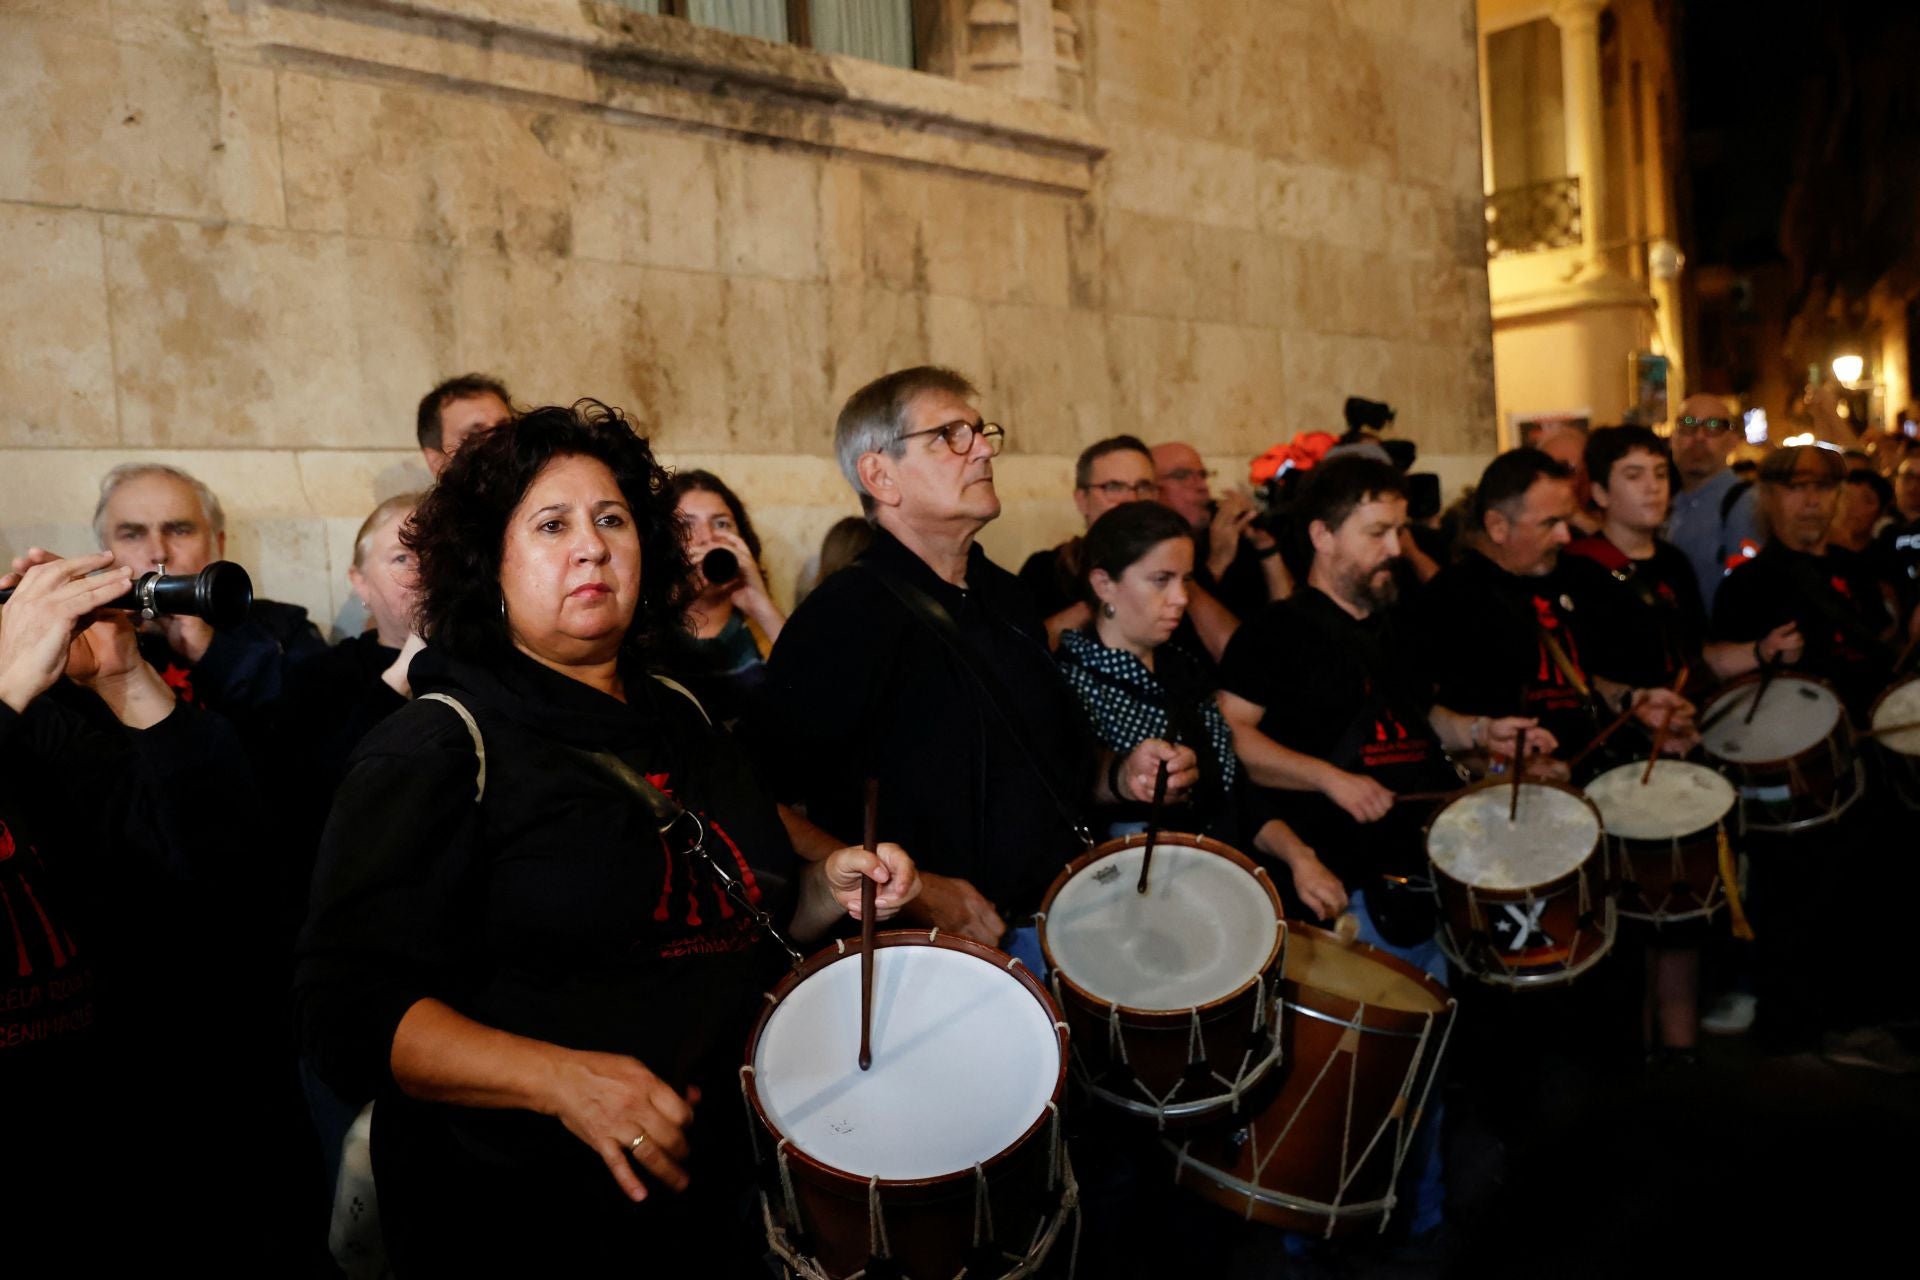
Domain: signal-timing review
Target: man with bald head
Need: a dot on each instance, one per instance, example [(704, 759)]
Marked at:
[(1715, 513), (1238, 562)]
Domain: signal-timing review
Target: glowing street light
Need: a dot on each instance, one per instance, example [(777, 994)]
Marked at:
[(1848, 368)]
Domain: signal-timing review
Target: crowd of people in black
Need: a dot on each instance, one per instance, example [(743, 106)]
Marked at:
[(451, 835)]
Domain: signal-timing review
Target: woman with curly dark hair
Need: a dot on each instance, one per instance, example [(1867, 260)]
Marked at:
[(538, 986)]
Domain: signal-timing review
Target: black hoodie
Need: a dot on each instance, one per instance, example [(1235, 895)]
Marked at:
[(549, 909)]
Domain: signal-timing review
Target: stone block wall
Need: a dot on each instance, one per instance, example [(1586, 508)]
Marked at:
[(246, 235)]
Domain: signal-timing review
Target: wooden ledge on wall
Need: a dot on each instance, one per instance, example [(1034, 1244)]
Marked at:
[(595, 56)]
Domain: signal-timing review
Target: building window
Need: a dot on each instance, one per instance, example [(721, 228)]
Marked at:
[(877, 30)]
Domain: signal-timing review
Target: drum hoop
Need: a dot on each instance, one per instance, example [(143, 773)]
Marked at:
[(1842, 728), (1873, 716), (1487, 784), (1511, 980), (905, 938), (1189, 840), (1318, 937)]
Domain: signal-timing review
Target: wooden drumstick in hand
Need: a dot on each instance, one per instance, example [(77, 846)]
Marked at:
[(867, 887)]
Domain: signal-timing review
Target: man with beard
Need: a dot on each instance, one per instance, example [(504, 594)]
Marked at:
[(1324, 715), (1496, 627), (1330, 726)]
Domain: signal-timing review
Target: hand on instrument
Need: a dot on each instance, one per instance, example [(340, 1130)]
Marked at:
[(1364, 799), (49, 628), (1782, 644), (1318, 889), (897, 881), (627, 1114), (1502, 733), (186, 635), (1656, 707), (954, 905), (1141, 768)]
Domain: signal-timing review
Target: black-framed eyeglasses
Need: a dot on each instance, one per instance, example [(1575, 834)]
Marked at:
[(1140, 489), (1180, 475), (1712, 426), (959, 436)]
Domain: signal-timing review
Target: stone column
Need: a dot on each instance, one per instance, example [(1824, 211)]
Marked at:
[(1579, 23), (1028, 47)]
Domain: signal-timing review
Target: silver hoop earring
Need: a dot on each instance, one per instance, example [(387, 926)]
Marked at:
[(503, 609), (1107, 610)]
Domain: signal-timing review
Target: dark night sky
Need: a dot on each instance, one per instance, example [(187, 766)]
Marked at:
[(1766, 89)]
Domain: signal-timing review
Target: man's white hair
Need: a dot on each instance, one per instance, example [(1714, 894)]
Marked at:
[(209, 505)]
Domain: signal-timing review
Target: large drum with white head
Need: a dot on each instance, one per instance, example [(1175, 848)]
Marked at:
[(1523, 899), (1665, 830), (1899, 752), (1789, 748), (1171, 993), (947, 1154)]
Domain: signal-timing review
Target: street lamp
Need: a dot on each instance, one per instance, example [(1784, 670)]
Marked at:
[(1848, 369)]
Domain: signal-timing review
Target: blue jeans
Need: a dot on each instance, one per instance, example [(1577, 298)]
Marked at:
[(1024, 945), (1430, 1195)]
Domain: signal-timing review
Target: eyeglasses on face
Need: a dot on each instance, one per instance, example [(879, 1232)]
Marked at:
[(1689, 424), (959, 436), (1181, 475), (1141, 489)]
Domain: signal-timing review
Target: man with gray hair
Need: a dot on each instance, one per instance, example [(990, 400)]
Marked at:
[(157, 518), (922, 666)]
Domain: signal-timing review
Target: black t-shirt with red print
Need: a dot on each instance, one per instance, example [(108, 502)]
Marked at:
[(1637, 621), (1837, 602), (1483, 643), (1339, 688)]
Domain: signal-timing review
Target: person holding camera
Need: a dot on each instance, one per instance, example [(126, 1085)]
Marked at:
[(126, 831), (732, 620), (1239, 562)]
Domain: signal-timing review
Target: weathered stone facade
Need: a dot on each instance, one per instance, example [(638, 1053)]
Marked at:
[(246, 235)]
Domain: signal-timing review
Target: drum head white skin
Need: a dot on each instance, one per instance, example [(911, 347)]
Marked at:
[(1901, 705), (1795, 714), (1327, 965), (1202, 930), (964, 1061), (1678, 799), (1474, 841)]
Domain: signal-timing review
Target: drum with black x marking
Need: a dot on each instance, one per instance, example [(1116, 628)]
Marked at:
[(1524, 900)]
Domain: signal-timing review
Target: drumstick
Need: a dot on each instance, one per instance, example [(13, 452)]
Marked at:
[(1767, 672), (1613, 727), (1153, 824), (1888, 730), (1519, 759), (1659, 739), (1900, 662), (1660, 733), (867, 887), (1426, 797)]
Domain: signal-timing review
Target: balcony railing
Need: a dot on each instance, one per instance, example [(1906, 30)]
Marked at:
[(1536, 217)]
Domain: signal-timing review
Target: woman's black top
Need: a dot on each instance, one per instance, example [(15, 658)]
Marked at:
[(550, 908)]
